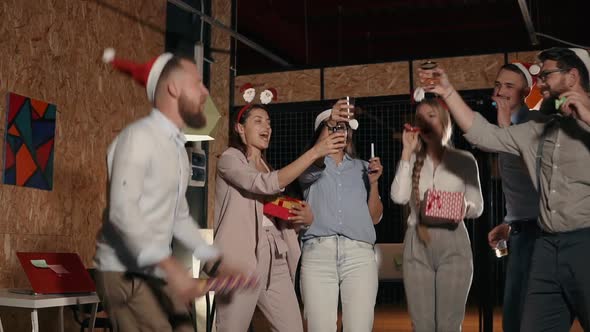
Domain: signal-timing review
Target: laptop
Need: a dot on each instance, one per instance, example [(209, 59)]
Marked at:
[(55, 273)]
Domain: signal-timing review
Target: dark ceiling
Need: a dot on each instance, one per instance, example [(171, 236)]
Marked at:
[(320, 33)]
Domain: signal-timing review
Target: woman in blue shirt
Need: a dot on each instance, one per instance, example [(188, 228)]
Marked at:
[(338, 255)]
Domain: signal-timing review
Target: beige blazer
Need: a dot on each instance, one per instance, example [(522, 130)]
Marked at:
[(238, 212)]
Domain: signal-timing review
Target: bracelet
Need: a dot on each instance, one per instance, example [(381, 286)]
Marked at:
[(448, 94)]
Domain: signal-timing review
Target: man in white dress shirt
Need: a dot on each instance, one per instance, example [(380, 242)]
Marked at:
[(142, 286)]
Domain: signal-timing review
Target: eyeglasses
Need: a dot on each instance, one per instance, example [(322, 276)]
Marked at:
[(340, 127), (544, 74)]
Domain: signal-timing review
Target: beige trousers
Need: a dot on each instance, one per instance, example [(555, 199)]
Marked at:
[(437, 278), (275, 295), (141, 303)]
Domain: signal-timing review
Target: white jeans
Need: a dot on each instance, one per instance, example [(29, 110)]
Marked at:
[(336, 265)]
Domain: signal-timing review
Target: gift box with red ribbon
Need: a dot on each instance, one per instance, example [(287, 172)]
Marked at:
[(441, 206), (280, 207)]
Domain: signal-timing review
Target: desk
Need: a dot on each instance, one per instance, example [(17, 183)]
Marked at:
[(9, 299)]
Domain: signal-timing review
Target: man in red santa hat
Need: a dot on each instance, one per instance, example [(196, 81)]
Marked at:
[(142, 286)]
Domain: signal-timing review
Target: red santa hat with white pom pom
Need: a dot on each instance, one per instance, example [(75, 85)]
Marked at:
[(528, 70), (147, 74)]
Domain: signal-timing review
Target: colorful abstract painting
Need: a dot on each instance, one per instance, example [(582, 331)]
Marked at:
[(29, 145)]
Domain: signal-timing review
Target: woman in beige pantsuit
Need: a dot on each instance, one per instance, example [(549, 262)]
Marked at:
[(251, 240), (437, 260)]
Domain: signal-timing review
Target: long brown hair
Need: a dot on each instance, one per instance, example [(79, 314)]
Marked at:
[(445, 120), (235, 140)]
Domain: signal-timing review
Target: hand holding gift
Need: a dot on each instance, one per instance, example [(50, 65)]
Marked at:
[(286, 208), (300, 214), (443, 207)]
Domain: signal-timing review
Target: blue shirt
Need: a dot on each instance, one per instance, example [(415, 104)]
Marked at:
[(338, 196)]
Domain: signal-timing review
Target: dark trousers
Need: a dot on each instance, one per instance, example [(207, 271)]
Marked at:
[(523, 234), (559, 283)]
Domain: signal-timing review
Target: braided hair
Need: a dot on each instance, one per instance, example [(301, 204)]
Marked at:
[(445, 119)]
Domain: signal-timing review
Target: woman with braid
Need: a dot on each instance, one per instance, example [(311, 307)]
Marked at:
[(437, 259)]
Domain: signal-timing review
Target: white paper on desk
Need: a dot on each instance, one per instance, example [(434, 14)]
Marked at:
[(59, 269), (40, 263)]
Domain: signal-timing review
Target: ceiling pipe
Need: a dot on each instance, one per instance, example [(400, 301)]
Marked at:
[(306, 26), (526, 16), (340, 37), (215, 23)]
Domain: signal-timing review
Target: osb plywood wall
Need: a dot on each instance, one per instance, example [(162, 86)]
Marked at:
[(291, 86), (384, 79), (530, 57), (51, 50), (219, 90), (468, 72)]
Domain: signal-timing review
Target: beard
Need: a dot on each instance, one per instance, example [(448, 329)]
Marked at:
[(550, 95), (192, 113)]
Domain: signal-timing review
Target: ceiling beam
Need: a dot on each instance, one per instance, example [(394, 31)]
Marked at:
[(526, 16), (215, 23)]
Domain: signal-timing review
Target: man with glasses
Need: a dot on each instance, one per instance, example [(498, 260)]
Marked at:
[(544, 74), (556, 152)]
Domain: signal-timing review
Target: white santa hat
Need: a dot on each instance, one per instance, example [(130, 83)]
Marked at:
[(147, 74), (584, 56), (354, 124), (529, 70)]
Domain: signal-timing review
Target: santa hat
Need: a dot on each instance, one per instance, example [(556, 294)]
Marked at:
[(528, 70), (245, 87), (147, 74), (584, 56), (264, 96), (248, 92), (275, 96), (418, 95), (354, 124), (321, 117)]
